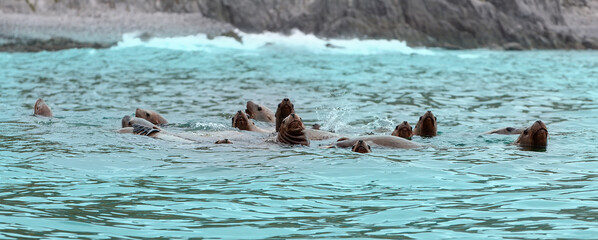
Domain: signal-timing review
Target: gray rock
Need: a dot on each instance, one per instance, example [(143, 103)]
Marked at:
[(451, 24)]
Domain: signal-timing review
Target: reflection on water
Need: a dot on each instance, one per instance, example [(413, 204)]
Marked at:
[(73, 176)]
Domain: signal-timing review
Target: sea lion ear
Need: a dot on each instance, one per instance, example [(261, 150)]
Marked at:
[(411, 128), (420, 118), (233, 121)]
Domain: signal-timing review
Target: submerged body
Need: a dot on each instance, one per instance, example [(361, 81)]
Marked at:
[(153, 132), (506, 131), (128, 121), (383, 141)]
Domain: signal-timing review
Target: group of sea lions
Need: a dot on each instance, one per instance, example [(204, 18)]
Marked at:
[(290, 130)]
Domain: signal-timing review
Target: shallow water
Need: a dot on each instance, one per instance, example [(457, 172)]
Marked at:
[(74, 176)]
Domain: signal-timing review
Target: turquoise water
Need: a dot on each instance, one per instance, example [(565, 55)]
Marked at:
[(74, 176)]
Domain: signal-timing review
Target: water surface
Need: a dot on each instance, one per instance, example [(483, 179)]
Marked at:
[(74, 176)]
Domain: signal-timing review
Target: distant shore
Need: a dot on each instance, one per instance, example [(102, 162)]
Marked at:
[(51, 31), (29, 26)]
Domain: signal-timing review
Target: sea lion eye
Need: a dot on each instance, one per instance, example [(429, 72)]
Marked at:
[(293, 105), (282, 121), (525, 132), (435, 118), (397, 127), (370, 148), (259, 108), (420, 118), (147, 114)]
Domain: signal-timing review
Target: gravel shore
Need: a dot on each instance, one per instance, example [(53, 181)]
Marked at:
[(22, 31)]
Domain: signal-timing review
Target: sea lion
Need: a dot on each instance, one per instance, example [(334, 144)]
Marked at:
[(361, 147), (403, 130), (285, 108), (41, 108), (535, 136), (259, 112), (316, 126), (241, 121), (223, 141), (150, 115), (383, 141), (154, 132), (426, 126), (506, 131), (128, 121), (292, 131)]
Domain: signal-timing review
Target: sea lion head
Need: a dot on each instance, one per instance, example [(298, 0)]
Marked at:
[(258, 112), (534, 136), (285, 107), (316, 126), (241, 121), (125, 121), (403, 130), (223, 141), (150, 115), (41, 108), (426, 126), (292, 131), (361, 147)]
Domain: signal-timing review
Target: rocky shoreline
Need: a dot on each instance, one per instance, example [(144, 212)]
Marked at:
[(27, 25)]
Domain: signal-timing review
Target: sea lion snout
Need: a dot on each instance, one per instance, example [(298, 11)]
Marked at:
[(403, 130), (361, 147), (285, 108), (426, 126), (292, 131), (534, 136)]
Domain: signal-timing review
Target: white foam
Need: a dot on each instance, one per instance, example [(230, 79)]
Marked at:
[(251, 42)]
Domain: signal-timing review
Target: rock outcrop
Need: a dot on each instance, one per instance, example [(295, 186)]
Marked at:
[(512, 24), (453, 24)]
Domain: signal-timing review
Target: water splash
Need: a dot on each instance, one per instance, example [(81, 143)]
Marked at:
[(295, 40)]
